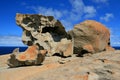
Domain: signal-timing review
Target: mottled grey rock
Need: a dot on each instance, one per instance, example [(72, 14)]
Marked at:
[(44, 31)]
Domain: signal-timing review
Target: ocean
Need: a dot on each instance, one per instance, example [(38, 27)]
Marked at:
[(7, 50)]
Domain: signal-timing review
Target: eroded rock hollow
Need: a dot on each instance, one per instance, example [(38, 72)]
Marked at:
[(45, 31)]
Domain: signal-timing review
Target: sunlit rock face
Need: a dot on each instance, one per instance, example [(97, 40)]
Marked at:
[(45, 31), (90, 37)]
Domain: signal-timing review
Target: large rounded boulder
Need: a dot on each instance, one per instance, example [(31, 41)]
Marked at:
[(90, 37)]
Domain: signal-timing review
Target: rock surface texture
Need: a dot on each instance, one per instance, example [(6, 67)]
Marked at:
[(46, 32), (90, 37), (32, 56), (100, 66)]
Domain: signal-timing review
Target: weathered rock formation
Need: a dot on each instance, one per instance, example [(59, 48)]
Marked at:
[(46, 32), (90, 37), (87, 37), (32, 56)]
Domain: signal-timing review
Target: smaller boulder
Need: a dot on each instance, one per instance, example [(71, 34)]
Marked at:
[(65, 48), (32, 56), (88, 48)]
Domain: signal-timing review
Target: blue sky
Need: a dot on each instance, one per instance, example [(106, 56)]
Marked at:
[(69, 12)]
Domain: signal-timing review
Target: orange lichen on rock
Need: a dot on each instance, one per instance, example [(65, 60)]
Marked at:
[(109, 48), (81, 77), (88, 48), (43, 52), (29, 54), (22, 57), (100, 27)]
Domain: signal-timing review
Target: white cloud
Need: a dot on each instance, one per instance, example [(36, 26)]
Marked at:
[(100, 1), (114, 36), (11, 41), (48, 11), (90, 11), (69, 17), (115, 40), (107, 17), (77, 5)]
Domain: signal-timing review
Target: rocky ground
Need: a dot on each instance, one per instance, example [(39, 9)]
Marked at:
[(99, 66)]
